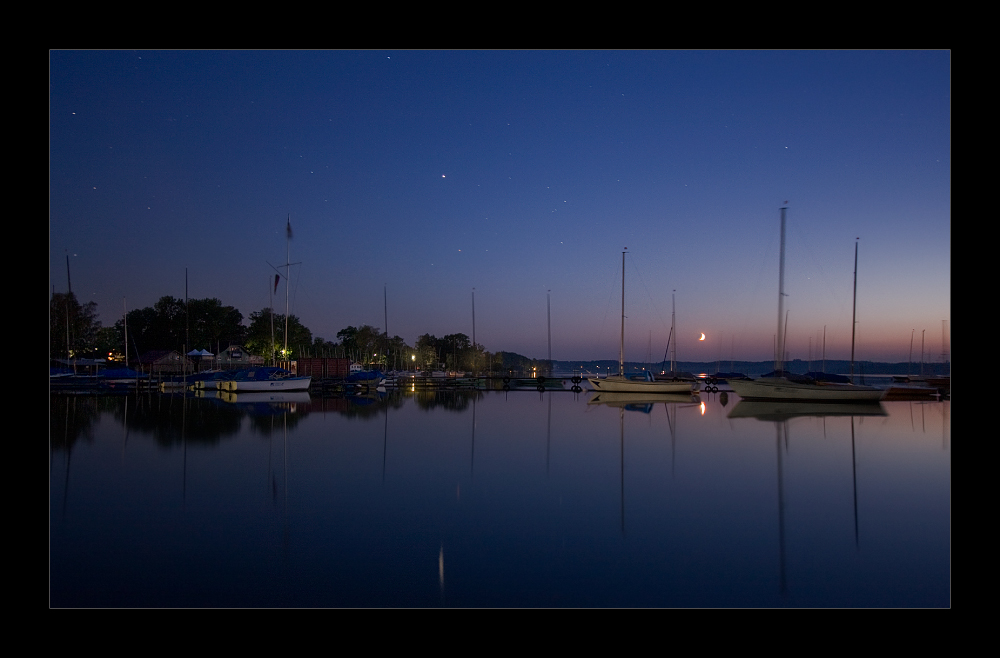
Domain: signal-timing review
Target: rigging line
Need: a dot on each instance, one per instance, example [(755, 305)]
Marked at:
[(649, 295), (612, 291)]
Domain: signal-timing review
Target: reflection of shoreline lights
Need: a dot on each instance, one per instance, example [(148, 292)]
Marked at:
[(908, 454)]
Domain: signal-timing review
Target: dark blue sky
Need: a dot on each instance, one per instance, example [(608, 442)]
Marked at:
[(428, 174)]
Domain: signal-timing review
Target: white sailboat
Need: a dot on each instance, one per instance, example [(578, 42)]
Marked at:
[(791, 387), (620, 383), (673, 375), (271, 378)]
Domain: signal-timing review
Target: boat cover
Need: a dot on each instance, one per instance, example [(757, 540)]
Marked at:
[(262, 374)]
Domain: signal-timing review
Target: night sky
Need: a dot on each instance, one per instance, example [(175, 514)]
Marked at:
[(413, 178)]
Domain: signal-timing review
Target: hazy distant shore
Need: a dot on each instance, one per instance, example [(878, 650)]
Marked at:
[(834, 366)]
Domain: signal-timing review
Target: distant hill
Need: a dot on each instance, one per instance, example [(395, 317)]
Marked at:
[(834, 366)]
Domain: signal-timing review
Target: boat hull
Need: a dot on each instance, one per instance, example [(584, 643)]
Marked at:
[(777, 388), (620, 385), (287, 384)]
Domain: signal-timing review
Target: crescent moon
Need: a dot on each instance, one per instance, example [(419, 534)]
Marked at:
[(702, 337)]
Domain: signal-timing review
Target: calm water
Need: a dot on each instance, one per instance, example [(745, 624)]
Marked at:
[(484, 499)]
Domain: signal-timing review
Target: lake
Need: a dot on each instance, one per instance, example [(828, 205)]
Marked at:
[(496, 499)]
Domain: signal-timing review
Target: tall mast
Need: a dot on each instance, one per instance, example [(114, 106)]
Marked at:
[(475, 353), (854, 309), (922, 332), (548, 309), (910, 362), (69, 295), (288, 271), (621, 346), (944, 346), (270, 299), (673, 330), (187, 322), (385, 316), (780, 352), (785, 355)]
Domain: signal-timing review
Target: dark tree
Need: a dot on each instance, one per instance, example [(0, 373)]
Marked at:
[(73, 328), (258, 339)]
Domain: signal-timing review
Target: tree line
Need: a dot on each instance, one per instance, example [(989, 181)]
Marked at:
[(173, 324)]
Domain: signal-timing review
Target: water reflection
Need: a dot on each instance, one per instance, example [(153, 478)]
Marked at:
[(552, 498)]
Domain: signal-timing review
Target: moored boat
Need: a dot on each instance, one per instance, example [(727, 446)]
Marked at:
[(781, 385), (798, 387), (266, 379), (645, 383), (640, 384), (213, 380), (369, 378)]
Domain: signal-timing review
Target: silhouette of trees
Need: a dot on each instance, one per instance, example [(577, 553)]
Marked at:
[(73, 327), (170, 324), (259, 341)]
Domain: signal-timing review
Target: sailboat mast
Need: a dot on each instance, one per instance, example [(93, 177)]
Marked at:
[(548, 311), (270, 301), (922, 332), (779, 358), (785, 356), (854, 309), (69, 296), (187, 322), (910, 362), (621, 345), (288, 271), (944, 346), (673, 319), (475, 353)]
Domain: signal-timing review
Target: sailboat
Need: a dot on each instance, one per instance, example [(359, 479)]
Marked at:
[(673, 375), (785, 386), (620, 383), (271, 378)]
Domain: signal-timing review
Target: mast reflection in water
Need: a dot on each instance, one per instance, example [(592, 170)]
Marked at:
[(539, 499)]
